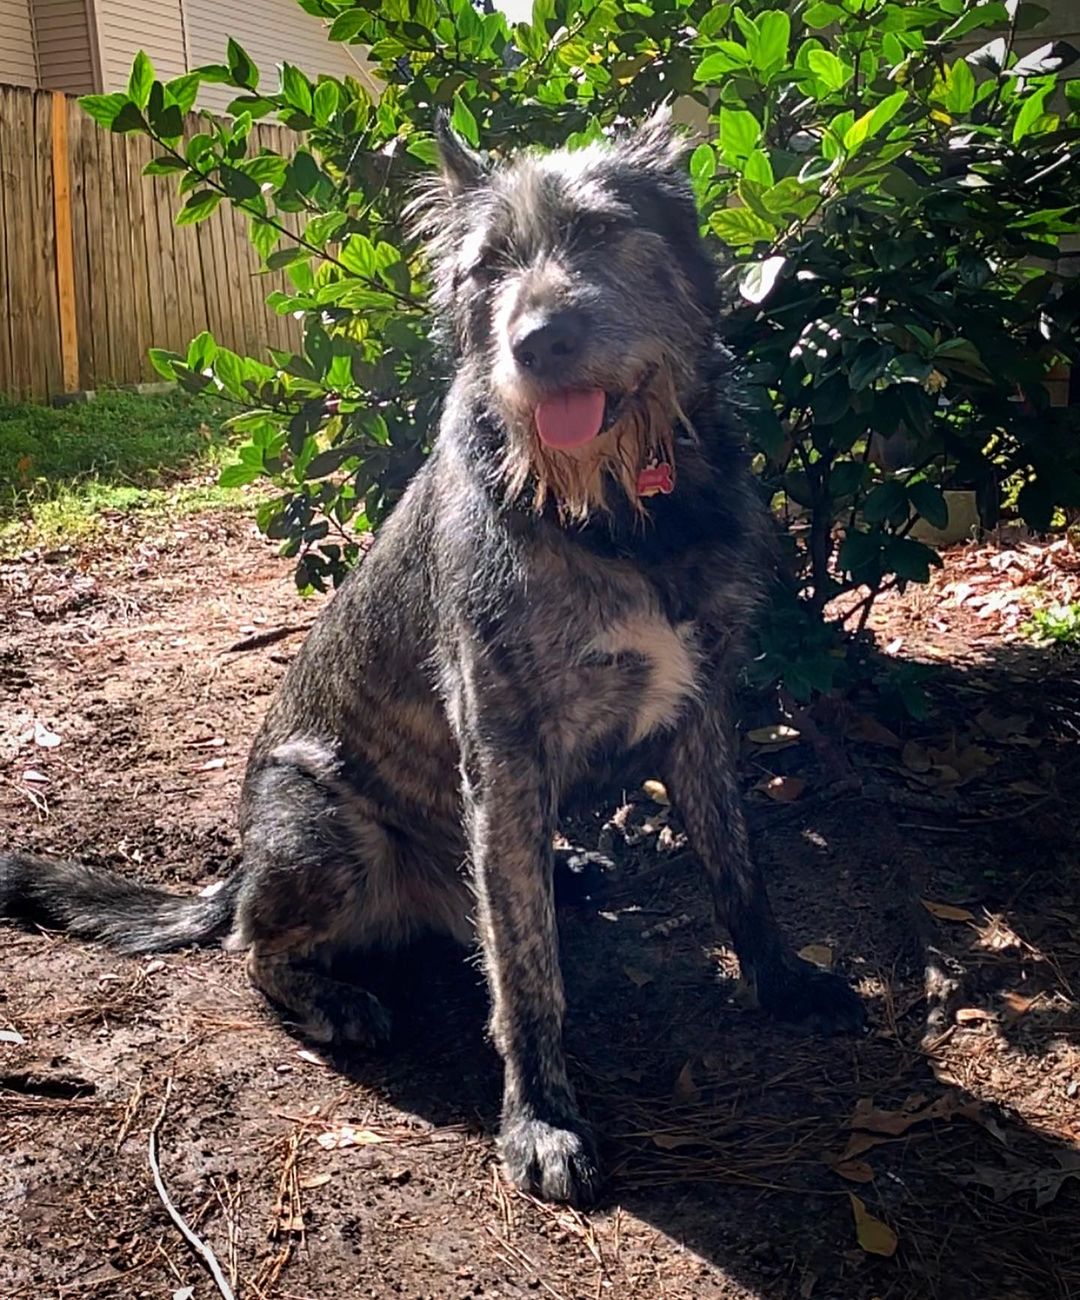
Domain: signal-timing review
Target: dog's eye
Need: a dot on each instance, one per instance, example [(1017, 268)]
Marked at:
[(599, 228)]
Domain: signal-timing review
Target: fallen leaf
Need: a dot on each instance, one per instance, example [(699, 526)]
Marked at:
[(347, 1136), (657, 791), (312, 1058), (184, 1293), (673, 1141), (11, 1036), (1020, 1177), (875, 1237), (211, 765), (638, 977), (1018, 1004), (956, 766), (32, 774), (915, 758), (946, 911), (686, 1090), (1027, 787), (314, 1180), (819, 953), (855, 1171), (860, 1143), (1016, 724), (44, 737), (865, 727), (783, 789), (973, 1015), (779, 735)]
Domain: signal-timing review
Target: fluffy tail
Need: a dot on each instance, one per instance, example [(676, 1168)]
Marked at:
[(95, 903)]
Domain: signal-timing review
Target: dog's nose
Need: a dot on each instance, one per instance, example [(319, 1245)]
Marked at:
[(544, 344)]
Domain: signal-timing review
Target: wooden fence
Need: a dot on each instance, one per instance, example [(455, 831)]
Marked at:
[(93, 272)]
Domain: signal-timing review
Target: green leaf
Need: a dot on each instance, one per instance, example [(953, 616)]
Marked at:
[(739, 132), (1030, 113), (286, 257), (141, 79), (163, 362), (823, 15), (758, 279), (831, 71), (103, 108), (296, 88), (349, 24), (358, 256), (758, 169), (930, 502), (887, 501), (703, 162), (873, 121), (910, 560), (464, 123), (241, 69), (184, 91), (774, 32), (725, 57), (239, 475), (959, 87), (164, 166), (740, 227), (198, 207), (325, 102)]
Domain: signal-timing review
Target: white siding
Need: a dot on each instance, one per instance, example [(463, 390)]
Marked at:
[(62, 35), (127, 26), (18, 66), (272, 32)]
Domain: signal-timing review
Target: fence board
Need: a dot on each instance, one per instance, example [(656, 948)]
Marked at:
[(138, 280)]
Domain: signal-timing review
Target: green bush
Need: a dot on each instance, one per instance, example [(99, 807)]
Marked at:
[(888, 208)]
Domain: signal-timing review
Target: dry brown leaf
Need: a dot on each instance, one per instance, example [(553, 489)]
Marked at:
[(1019, 1005), (673, 1141), (211, 765), (946, 911), (686, 1090), (314, 1180), (1027, 787), (860, 1143), (915, 758), (855, 1171), (783, 789), (973, 1015), (865, 727), (657, 791), (347, 1136), (954, 765), (819, 953), (312, 1058), (1021, 1177), (45, 738), (1016, 724), (638, 977), (875, 1237)]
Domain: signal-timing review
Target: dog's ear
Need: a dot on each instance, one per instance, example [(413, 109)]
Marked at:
[(656, 144), (462, 168)]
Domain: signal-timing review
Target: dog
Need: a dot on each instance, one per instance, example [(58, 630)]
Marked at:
[(565, 585)]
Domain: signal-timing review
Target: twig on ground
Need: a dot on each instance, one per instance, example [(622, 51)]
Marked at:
[(266, 638), (196, 1243)]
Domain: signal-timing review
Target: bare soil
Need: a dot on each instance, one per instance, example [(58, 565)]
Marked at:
[(935, 1158)]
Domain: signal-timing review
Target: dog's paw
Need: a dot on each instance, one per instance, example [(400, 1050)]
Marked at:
[(350, 1017), (801, 992), (553, 1162)]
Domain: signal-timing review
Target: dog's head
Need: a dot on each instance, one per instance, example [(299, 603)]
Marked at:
[(578, 292)]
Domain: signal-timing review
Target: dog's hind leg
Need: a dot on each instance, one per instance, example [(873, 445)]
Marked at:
[(306, 856), (701, 777)]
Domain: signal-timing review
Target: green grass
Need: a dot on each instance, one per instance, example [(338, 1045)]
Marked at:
[(63, 471)]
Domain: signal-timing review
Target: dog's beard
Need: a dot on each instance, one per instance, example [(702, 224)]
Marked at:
[(578, 482)]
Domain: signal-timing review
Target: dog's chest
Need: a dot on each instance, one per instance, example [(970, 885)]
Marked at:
[(639, 672)]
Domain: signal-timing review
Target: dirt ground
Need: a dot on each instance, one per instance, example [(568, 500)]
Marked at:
[(939, 1157)]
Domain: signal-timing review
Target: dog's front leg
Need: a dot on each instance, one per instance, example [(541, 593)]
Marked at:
[(701, 778), (510, 815)]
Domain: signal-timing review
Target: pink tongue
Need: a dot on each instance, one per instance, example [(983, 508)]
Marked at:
[(570, 418)]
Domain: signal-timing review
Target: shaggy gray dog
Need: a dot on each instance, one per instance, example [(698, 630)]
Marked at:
[(565, 585)]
